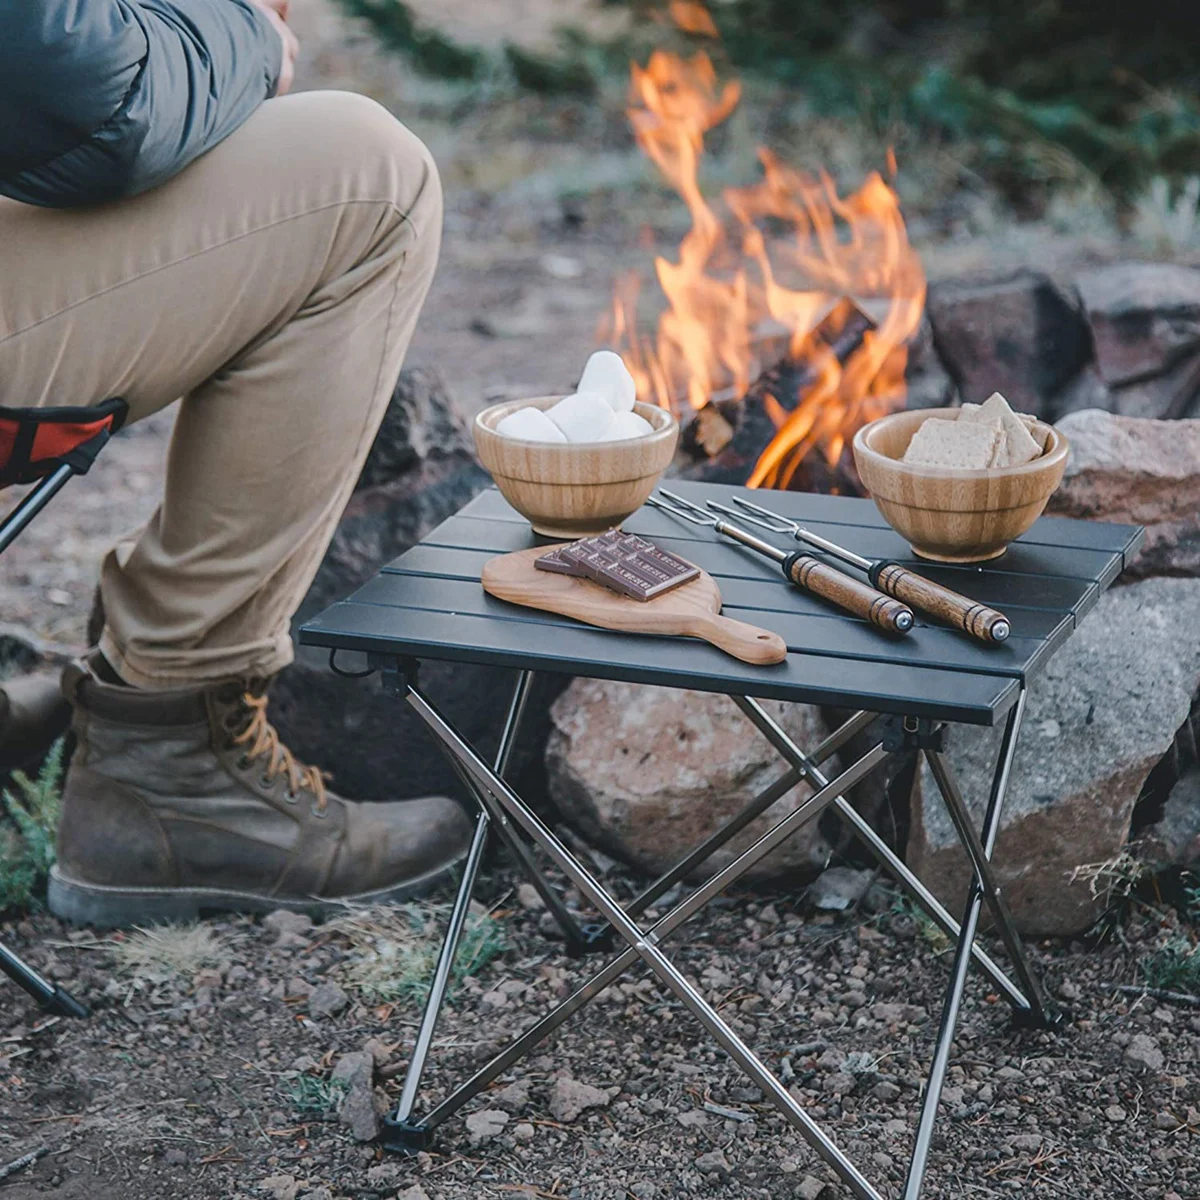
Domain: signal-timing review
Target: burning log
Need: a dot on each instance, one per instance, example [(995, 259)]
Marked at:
[(725, 439)]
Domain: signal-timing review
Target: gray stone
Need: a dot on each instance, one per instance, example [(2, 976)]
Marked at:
[(1145, 317), (648, 772), (1023, 336), (514, 1098), (413, 1192), (837, 888), (356, 1073), (421, 469), (485, 1125), (927, 381), (1175, 838), (1100, 716), (1140, 472), (569, 1098), (327, 1000), (810, 1188), (713, 1163), (285, 924), (1143, 1053), (280, 1187)]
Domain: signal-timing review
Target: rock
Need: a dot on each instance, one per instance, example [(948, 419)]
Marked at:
[(1115, 1113), (569, 1098), (524, 1131), (280, 1187), (886, 1091), (380, 1052), (648, 772), (1023, 336), (1144, 317), (412, 1192), (1143, 1053), (514, 1098), (284, 924), (1141, 472), (485, 1125), (1175, 838), (837, 888), (175, 1157), (713, 1163), (810, 1188), (421, 469), (1099, 718), (327, 1000), (319, 1193), (357, 1109), (928, 383)]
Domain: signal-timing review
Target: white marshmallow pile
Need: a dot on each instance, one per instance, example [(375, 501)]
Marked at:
[(600, 411)]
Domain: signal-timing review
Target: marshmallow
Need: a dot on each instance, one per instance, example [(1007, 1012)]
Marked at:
[(583, 417), (529, 425), (628, 425), (607, 376)]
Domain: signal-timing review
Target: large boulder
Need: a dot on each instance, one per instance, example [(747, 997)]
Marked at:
[(1023, 336), (1144, 317), (1141, 472), (1098, 720), (648, 772), (420, 471)]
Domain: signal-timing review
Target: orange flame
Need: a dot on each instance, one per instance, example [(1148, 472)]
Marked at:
[(737, 285)]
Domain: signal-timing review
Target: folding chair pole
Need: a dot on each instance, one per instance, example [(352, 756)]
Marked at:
[(52, 997), (767, 797), (962, 958), (33, 504), (884, 854)]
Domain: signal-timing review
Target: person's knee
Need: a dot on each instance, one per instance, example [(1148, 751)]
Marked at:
[(380, 158)]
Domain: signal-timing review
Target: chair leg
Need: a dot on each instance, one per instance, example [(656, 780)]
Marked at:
[(51, 996)]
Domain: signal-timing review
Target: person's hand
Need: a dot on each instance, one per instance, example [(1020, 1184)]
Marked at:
[(276, 12)]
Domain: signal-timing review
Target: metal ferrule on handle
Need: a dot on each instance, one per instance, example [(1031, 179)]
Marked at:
[(841, 589), (973, 618)]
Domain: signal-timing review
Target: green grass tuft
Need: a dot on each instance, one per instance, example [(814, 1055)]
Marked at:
[(1174, 966), (27, 853), (314, 1096)]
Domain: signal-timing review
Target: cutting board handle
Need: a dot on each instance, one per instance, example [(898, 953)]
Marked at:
[(747, 642)]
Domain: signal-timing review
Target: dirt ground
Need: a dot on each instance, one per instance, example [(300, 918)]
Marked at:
[(211, 1078)]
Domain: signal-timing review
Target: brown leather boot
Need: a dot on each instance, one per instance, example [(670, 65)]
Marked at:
[(178, 803), (33, 714)]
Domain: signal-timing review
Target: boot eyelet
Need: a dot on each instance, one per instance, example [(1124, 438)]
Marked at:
[(243, 763), (319, 813), (266, 781), (291, 797)]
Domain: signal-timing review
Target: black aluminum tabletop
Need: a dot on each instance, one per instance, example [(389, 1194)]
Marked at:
[(429, 604)]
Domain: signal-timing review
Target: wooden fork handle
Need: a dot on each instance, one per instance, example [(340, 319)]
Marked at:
[(884, 612), (980, 622)]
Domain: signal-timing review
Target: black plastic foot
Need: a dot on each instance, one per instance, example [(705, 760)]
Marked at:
[(1050, 1017), (65, 1005), (404, 1137), (597, 936)]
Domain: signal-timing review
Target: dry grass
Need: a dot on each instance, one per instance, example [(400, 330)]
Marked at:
[(168, 952)]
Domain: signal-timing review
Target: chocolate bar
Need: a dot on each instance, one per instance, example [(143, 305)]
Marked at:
[(621, 562)]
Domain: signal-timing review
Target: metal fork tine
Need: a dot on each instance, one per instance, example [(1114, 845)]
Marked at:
[(745, 516), (684, 503), (773, 520), (682, 514)]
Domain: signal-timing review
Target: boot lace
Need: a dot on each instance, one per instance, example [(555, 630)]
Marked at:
[(261, 740)]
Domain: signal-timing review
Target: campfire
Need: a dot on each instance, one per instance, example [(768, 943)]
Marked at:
[(788, 307)]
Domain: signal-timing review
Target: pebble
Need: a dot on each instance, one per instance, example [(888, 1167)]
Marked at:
[(327, 1000), (810, 1188), (284, 923), (528, 898), (320, 1193), (713, 1163), (175, 1157), (413, 1192), (1143, 1052), (280, 1187), (885, 1091), (524, 1131), (485, 1125), (569, 1098), (1166, 1120), (1115, 1113)]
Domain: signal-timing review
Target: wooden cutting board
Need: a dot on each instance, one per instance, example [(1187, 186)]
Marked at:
[(692, 610)]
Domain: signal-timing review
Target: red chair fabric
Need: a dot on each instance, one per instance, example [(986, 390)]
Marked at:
[(34, 442)]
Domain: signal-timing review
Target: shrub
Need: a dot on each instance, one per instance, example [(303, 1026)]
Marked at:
[(27, 850)]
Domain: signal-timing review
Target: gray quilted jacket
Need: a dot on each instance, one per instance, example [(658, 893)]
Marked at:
[(105, 98)]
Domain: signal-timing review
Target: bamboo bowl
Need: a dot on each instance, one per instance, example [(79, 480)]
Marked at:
[(570, 491), (951, 515)]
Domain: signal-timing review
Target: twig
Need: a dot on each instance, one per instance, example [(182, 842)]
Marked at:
[(26, 1160), (1133, 989)]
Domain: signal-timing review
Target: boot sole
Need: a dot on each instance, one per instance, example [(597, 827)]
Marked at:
[(116, 907)]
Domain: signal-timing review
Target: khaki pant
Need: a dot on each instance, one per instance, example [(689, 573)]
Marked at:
[(275, 285)]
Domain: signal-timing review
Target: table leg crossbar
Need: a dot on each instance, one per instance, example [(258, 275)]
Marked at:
[(501, 808)]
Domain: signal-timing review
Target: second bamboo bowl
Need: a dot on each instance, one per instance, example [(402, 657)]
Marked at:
[(949, 514), (572, 491)]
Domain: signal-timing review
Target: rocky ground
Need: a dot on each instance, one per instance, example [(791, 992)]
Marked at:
[(219, 1058)]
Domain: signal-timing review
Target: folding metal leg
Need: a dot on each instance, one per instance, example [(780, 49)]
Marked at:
[(644, 944), (884, 854), (52, 997)]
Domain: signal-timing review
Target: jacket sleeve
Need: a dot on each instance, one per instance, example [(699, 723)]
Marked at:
[(101, 99)]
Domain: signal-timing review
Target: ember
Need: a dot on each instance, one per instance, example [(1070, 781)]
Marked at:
[(755, 299)]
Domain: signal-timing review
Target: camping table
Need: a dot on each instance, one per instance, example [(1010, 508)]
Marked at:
[(428, 604)]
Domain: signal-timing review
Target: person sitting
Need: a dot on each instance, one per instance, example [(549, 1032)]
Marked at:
[(173, 224)]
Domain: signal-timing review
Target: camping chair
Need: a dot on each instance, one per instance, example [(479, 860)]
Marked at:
[(46, 447)]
